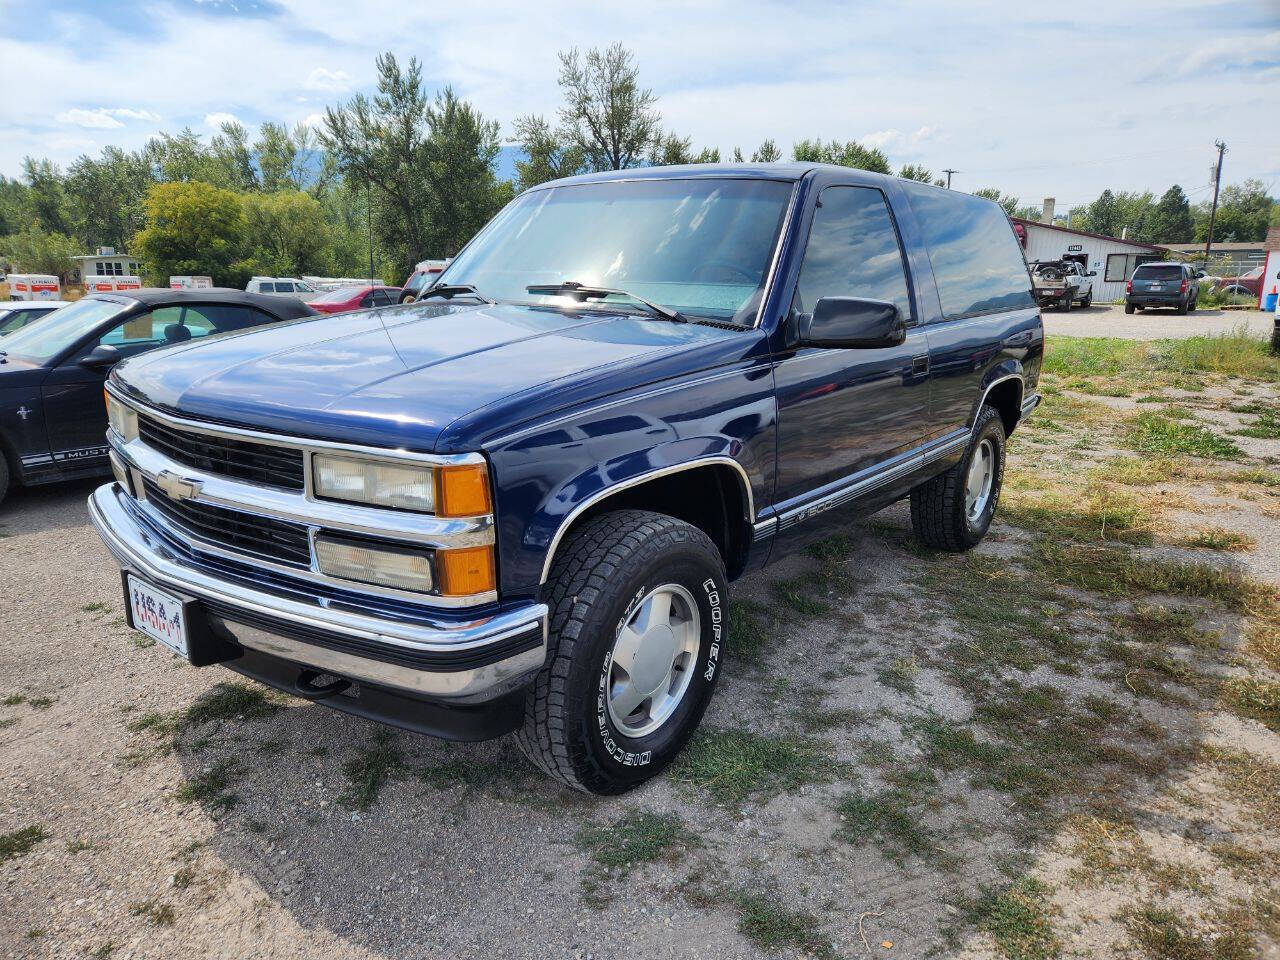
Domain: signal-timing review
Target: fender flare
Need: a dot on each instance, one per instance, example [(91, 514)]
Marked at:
[(563, 521), (1001, 373)]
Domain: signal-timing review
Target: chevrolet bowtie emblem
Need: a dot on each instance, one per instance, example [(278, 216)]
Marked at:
[(176, 487)]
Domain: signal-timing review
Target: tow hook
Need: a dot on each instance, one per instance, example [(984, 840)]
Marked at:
[(305, 686)]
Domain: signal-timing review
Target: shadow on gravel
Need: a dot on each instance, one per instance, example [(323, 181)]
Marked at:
[(899, 737), (53, 506)]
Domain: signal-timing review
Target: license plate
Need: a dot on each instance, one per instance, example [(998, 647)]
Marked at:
[(1155, 287), (158, 615)]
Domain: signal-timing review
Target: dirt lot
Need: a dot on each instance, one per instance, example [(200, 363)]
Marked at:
[(1062, 744)]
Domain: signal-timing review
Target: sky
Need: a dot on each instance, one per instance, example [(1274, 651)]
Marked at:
[(1037, 100)]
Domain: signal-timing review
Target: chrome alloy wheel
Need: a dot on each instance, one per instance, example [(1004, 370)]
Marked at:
[(979, 482), (653, 660)]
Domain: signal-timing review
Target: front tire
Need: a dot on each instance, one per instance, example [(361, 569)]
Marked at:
[(637, 615), (953, 511), (4, 476), (1088, 300)]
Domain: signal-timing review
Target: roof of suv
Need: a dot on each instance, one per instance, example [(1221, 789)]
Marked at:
[(753, 171)]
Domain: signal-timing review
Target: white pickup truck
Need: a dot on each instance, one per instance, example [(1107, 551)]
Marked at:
[(1061, 283)]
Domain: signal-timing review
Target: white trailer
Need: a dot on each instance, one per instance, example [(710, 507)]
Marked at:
[(34, 286), (190, 283), (105, 284)]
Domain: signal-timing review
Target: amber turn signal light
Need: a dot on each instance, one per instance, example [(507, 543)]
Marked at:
[(465, 572), (463, 491)]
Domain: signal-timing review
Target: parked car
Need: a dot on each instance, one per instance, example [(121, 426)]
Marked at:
[(283, 286), (1162, 283), (1062, 283), (423, 275), (52, 422), (1245, 285), (16, 314), (518, 507), (355, 298)]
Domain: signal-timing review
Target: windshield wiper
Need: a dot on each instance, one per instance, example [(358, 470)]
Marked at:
[(451, 290), (578, 291)]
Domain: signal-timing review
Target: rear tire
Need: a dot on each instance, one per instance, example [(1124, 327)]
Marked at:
[(1181, 309), (1128, 308), (1065, 303), (953, 512), (601, 583), (4, 476)]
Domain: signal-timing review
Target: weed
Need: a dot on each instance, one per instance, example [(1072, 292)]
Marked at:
[(888, 818), (156, 722), (1263, 641), (470, 773), (1216, 538), (749, 633), (637, 838), (733, 765), (183, 877), (95, 607), (1255, 698), (40, 703), (143, 642), (370, 770), (79, 846), (1165, 934), (1152, 624), (229, 701), (13, 700), (1251, 781), (1019, 919), (20, 842), (1099, 513), (1153, 433), (156, 913), (796, 594), (210, 787), (900, 674), (763, 920), (1135, 471)]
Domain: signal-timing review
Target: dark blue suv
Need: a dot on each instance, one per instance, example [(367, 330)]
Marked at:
[(516, 504)]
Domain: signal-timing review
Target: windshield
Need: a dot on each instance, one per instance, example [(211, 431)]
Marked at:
[(43, 339), (341, 295), (702, 247)]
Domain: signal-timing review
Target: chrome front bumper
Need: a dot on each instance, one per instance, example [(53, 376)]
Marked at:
[(450, 657)]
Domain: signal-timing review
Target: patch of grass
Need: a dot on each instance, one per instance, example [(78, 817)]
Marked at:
[(797, 594), (1135, 471), (1255, 698), (1237, 353), (1216, 538), (13, 700), (734, 765), (1116, 572), (20, 842), (370, 770), (637, 838), (6, 722), (750, 632), (1264, 427), (1092, 356), (900, 674), (95, 607), (229, 701), (156, 913), (1251, 781), (1019, 919), (1263, 640), (889, 819), (1161, 625), (40, 703), (505, 769), (155, 722), (766, 922), (1097, 513), (209, 787), (183, 877), (1165, 934), (1154, 433), (79, 846)]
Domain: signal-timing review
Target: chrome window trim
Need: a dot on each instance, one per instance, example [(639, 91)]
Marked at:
[(749, 509)]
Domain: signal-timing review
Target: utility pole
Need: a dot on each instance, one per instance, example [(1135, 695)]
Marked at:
[(1213, 211), (949, 172)]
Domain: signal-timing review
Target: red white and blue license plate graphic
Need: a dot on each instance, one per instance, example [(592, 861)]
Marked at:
[(158, 615)]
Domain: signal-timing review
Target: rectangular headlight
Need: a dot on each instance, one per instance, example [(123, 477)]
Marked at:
[(387, 566), (122, 420), (379, 483)]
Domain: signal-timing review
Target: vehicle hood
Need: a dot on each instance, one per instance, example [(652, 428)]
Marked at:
[(400, 376)]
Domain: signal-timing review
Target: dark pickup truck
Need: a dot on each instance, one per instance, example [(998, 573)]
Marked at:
[(516, 504)]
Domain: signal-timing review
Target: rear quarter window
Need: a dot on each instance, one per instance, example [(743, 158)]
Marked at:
[(976, 259)]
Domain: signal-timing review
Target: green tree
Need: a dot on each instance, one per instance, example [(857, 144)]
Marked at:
[(428, 165), (193, 228), (1171, 221), (1101, 215), (34, 250), (668, 149), (283, 156), (287, 233), (767, 152), (183, 158), (607, 115), (1244, 211), (911, 171), (13, 204), (229, 154), (548, 156), (46, 202), (1009, 203), (850, 154), (105, 197)]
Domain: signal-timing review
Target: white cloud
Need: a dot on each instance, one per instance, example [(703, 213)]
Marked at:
[(214, 121), (313, 120), (881, 139), (94, 119), (330, 81), (135, 114)]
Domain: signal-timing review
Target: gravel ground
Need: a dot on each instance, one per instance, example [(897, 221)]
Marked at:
[(247, 836), (1108, 320)]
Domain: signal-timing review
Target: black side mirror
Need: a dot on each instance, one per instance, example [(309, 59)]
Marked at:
[(852, 323), (101, 357), (1092, 273)]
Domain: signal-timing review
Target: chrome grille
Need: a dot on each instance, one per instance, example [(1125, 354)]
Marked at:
[(239, 459), (276, 540)]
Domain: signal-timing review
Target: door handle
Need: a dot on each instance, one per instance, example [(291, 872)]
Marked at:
[(920, 365)]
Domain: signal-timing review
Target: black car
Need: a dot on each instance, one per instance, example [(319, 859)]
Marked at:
[(53, 423)]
